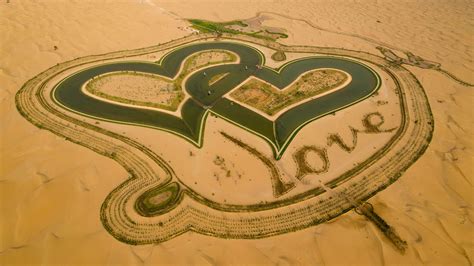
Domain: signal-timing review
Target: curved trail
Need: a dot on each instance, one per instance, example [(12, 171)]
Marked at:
[(452, 76), (371, 40), (314, 26), (192, 211)]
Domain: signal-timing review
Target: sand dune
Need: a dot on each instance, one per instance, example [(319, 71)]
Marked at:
[(51, 190)]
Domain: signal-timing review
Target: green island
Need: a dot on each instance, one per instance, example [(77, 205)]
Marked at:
[(268, 99)]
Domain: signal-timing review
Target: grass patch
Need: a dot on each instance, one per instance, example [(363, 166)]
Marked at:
[(157, 200), (216, 78), (280, 34), (268, 99), (279, 56), (206, 26)]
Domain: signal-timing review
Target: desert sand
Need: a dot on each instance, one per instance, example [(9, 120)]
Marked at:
[(51, 190)]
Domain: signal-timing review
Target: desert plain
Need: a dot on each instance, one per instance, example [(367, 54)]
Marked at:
[(52, 190)]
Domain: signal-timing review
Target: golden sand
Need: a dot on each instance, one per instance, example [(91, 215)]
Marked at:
[(51, 190)]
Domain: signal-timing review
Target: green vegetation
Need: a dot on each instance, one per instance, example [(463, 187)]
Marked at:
[(373, 121), (217, 77), (279, 188), (335, 138), (208, 26), (267, 98), (157, 200), (279, 34), (205, 26), (204, 59), (304, 168), (279, 56)]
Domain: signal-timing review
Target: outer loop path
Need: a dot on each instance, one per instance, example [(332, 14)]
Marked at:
[(155, 205)]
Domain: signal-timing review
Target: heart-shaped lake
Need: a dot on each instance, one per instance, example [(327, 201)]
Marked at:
[(208, 95)]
